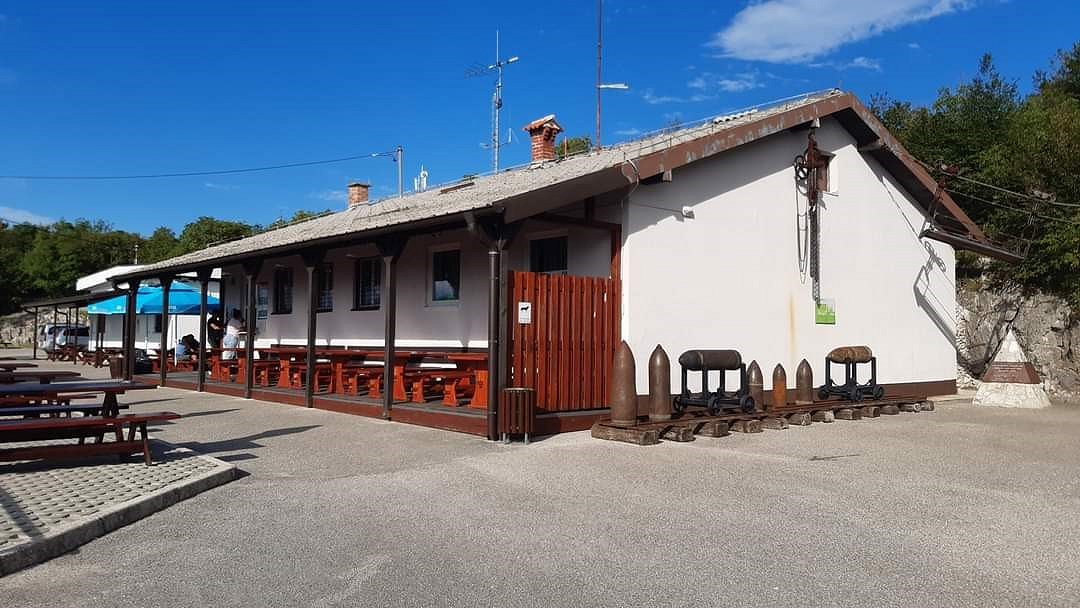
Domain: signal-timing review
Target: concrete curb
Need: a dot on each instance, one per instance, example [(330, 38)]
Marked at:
[(62, 539)]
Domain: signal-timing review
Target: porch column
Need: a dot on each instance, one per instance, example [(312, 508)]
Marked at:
[(34, 336), (129, 340), (163, 349), (390, 249), (312, 259), (496, 235), (251, 272), (204, 286)]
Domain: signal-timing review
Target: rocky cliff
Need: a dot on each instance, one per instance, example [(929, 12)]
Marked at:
[(1046, 327)]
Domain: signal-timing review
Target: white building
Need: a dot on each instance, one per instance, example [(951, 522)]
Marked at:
[(697, 238)]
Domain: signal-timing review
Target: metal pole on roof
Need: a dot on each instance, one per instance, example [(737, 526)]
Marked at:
[(399, 157), (599, 57)]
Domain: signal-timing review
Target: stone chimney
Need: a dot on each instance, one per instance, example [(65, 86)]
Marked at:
[(358, 194), (542, 132)]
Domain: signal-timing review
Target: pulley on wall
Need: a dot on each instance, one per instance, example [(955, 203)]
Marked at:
[(811, 176)]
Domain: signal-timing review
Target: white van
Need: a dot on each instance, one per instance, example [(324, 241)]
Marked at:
[(52, 336)]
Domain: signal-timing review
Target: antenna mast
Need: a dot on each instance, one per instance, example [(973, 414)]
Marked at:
[(496, 98)]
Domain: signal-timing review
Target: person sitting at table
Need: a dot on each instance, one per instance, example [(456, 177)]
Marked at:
[(187, 349), (232, 334)]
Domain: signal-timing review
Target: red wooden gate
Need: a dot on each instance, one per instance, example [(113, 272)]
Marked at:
[(566, 351)]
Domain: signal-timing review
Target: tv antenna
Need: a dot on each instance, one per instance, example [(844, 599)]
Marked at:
[(496, 98)]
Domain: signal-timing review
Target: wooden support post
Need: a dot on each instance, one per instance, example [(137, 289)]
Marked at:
[(889, 410), (713, 428), (870, 411), (848, 413), (204, 287), (746, 426), (34, 336), (129, 320), (251, 273), (163, 343), (799, 419), (496, 235), (634, 436), (390, 249), (775, 424), (678, 433), (823, 416), (313, 258)]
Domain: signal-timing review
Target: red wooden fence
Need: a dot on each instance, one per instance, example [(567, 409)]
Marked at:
[(566, 352)]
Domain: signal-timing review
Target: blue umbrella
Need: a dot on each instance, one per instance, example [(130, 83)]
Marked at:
[(183, 300)]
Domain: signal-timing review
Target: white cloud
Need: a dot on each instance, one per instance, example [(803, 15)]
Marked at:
[(217, 186), (798, 31), (736, 83), (653, 99), (335, 196), (628, 132), (22, 216), (858, 63), (913, 45)]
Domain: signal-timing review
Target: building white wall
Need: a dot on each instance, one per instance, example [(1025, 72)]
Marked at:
[(420, 324), (729, 277)]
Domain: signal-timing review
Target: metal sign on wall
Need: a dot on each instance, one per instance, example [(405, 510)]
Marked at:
[(525, 313), (825, 312)]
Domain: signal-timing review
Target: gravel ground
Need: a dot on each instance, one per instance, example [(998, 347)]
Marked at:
[(963, 506)]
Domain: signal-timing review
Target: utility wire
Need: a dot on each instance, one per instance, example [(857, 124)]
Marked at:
[(1029, 197), (197, 173), (1013, 209)]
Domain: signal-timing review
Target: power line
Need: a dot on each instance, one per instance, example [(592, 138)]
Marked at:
[(1013, 209), (1037, 199), (199, 173)]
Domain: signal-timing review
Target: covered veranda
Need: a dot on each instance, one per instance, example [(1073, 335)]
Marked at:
[(445, 365)]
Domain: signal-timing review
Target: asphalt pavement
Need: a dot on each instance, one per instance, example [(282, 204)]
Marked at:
[(963, 506)]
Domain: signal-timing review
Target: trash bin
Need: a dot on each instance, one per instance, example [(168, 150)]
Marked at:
[(517, 413), (116, 366)]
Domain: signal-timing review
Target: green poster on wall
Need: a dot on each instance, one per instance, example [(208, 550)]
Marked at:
[(825, 312)]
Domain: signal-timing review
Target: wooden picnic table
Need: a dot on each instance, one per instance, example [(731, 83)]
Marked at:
[(40, 376), (109, 388), (10, 366)]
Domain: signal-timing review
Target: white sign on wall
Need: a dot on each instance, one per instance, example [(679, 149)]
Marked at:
[(525, 313)]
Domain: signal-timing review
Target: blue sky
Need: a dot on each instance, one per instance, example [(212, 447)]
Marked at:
[(107, 88)]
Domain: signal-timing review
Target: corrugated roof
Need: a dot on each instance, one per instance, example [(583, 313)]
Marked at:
[(658, 151)]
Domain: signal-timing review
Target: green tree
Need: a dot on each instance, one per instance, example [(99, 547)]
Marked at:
[(299, 216), (159, 246), (571, 146), (207, 231)]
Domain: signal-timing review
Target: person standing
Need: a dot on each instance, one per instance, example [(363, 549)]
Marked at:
[(232, 334)]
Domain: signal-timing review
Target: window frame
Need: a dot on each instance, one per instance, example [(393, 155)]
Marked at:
[(430, 289), (549, 236), (277, 304), (358, 287)]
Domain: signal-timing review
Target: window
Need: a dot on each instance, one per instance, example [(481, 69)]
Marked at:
[(324, 282), (367, 284), (446, 275), (824, 183), (548, 255), (283, 291)]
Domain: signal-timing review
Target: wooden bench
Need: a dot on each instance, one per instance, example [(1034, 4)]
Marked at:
[(49, 429), (54, 410)]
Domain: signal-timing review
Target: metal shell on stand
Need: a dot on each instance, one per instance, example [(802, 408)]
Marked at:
[(659, 385), (623, 387), (779, 386), (804, 383)]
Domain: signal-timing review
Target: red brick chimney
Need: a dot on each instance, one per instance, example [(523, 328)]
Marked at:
[(542, 132), (358, 194)]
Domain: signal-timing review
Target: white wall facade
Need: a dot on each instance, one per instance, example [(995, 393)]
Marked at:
[(730, 276), (420, 322), (145, 336)]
